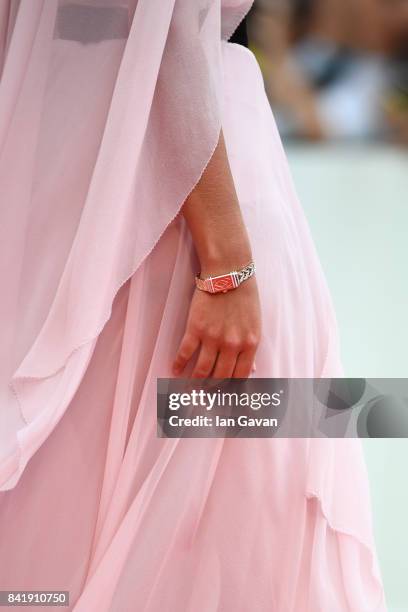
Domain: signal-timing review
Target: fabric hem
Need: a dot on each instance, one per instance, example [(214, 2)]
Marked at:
[(380, 604), (17, 380), (241, 17)]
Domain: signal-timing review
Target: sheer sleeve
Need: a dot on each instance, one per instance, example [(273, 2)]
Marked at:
[(110, 111)]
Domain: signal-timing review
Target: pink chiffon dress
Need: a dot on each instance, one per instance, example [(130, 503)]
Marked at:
[(109, 112)]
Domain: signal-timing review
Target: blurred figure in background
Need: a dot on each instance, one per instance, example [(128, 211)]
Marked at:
[(334, 68)]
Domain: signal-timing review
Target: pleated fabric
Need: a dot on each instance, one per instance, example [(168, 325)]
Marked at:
[(99, 148)]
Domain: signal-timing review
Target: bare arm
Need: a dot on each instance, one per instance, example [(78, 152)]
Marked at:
[(225, 327)]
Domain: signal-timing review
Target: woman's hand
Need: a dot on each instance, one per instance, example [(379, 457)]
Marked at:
[(226, 329)]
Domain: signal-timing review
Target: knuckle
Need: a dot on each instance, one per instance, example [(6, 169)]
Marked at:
[(188, 343), (204, 367), (231, 343), (183, 355), (181, 358), (212, 333), (198, 326), (198, 330), (251, 340), (200, 373)]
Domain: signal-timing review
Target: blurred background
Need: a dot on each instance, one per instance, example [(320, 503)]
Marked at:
[(334, 69), (336, 74)]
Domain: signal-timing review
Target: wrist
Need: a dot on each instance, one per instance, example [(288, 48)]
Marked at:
[(226, 281), (220, 261)]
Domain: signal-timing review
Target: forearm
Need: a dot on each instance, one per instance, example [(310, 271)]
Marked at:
[(224, 328), (215, 220)]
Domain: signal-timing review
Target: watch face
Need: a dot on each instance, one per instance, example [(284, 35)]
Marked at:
[(223, 283)]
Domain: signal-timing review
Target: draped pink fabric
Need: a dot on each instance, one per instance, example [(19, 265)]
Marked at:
[(109, 112)]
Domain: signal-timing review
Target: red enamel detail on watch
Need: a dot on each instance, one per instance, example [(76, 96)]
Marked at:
[(225, 282)]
